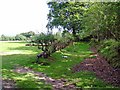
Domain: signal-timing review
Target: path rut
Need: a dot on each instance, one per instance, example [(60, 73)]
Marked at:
[(57, 84), (101, 68)]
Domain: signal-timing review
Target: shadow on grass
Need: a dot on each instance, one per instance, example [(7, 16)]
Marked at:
[(58, 68), (55, 69), (23, 81)]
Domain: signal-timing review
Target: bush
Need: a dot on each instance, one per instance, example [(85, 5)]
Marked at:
[(94, 42), (110, 49)]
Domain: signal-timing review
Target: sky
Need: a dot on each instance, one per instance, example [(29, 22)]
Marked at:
[(17, 16)]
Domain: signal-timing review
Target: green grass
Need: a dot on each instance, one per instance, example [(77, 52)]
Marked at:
[(57, 66)]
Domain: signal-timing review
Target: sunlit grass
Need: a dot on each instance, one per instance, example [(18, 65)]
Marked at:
[(17, 48), (57, 67)]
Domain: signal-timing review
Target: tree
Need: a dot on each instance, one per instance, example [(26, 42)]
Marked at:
[(45, 40), (28, 35), (12, 38), (66, 15), (50, 43), (45, 43), (20, 37), (101, 20), (4, 38)]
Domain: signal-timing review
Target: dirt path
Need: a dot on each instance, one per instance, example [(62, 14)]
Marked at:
[(101, 68), (98, 65), (57, 84)]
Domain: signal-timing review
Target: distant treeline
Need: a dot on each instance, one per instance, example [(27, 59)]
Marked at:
[(19, 37)]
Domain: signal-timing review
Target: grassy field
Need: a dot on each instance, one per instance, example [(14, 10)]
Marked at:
[(17, 54)]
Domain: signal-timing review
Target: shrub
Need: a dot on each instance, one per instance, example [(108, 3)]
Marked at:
[(94, 42), (110, 49)]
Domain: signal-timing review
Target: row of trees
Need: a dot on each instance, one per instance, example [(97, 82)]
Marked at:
[(21, 36), (97, 21), (100, 19)]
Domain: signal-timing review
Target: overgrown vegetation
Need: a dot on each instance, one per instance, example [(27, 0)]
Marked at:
[(104, 27), (98, 21), (110, 49)]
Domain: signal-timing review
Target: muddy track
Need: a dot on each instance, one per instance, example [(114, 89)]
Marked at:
[(101, 68), (57, 84)]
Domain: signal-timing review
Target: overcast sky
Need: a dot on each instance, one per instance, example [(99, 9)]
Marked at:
[(18, 16)]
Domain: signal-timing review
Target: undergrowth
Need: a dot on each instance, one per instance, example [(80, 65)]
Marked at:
[(110, 49)]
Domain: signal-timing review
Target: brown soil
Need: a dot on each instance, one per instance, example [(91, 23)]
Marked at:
[(57, 84), (97, 65), (101, 68), (8, 84)]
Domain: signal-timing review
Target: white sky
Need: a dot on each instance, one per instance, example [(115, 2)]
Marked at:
[(18, 16)]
